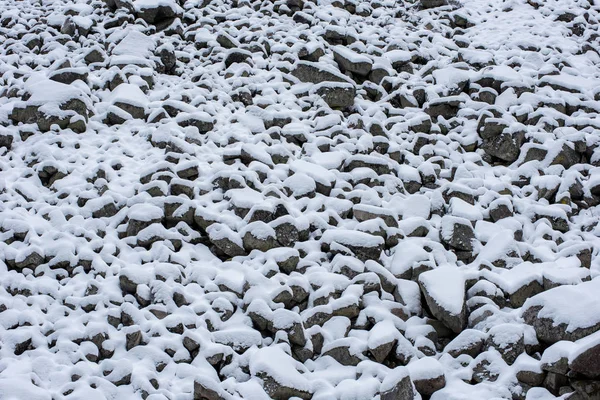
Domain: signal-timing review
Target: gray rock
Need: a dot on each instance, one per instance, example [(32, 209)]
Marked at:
[(587, 363), (237, 56), (432, 3), (567, 157), (552, 303), (397, 385), (341, 353), (69, 75), (456, 321), (279, 391), (459, 236), (259, 236), (158, 13), (6, 140), (505, 146), (337, 95), (307, 71), (352, 62), (205, 389), (446, 107), (468, 342), (427, 387), (508, 339)]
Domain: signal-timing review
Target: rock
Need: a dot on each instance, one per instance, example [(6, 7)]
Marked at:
[(237, 56), (550, 313), (427, 375), (445, 107), (157, 12), (6, 141), (397, 385), (444, 291), (259, 236), (281, 380), (363, 245), (307, 71), (350, 61), (133, 339), (336, 95), (128, 101), (432, 3), (69, 75), (201, 120), (64, 105), (226, 240), (457, 233), (468, 342), (567, 157), (343, 352), (505, 146), (508, 339), (207, 389), (363, 212), (500, 208), (585, 359)]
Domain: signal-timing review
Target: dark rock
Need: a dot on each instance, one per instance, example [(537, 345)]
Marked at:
[(314, 73)]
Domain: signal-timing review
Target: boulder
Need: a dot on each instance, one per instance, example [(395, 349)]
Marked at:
[(457, 233), (427, 375), (551, 312), (397, 385), (349, 60), (311, 72), (444, 291), (336, 95)]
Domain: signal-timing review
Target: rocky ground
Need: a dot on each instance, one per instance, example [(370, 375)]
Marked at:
[(308, 199)]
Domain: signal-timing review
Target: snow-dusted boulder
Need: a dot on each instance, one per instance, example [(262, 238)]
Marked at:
[(397, 385), (552, 315), (444, 290), (50, 102)]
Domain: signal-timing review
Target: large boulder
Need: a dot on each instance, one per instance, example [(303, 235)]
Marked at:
[(444, 291), (551, 312), (49, 103)]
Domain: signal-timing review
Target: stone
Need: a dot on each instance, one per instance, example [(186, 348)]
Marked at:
[(505, 146), (397, 385), (427, 375), (587, 362), (310, 72), (550, 312), (444, 292), (445, 107), (350, 61), (336, 95), (457, 233), (469, 341), (432, 3)]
